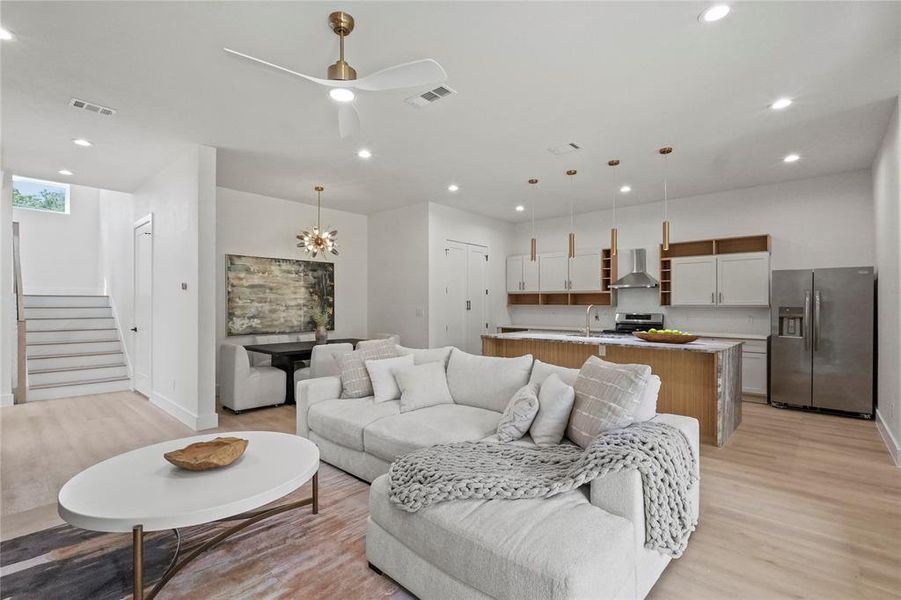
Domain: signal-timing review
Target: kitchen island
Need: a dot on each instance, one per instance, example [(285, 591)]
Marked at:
[(700, 379)]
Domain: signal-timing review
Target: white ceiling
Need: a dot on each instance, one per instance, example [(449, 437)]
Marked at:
[(621, 79)]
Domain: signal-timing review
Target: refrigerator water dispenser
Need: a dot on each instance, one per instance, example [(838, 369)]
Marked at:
[(791, 321)]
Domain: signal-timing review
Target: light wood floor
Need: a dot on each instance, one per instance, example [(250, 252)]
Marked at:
[(797, 505)]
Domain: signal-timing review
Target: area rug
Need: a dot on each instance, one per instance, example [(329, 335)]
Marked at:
[(292, 555)]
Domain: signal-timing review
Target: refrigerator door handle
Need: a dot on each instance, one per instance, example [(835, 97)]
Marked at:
[(806, 327), (817, 305)]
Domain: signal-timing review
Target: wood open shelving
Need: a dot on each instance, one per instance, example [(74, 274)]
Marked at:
[(606, 296), (731, 245)]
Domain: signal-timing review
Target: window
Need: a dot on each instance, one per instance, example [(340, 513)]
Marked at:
[(35, 194)]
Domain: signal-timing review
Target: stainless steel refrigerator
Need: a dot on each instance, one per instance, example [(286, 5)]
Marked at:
[(821, 347)]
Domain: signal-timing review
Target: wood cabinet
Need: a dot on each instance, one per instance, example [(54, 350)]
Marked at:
[(693, 281), (743, 279)]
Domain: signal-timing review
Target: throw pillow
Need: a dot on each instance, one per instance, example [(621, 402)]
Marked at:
[(607, 395), (555, 403), (519, 414), (422, 386), (486, 381), (647, 408), (542, 370), (427, 355), (355, 381), (381, 372)]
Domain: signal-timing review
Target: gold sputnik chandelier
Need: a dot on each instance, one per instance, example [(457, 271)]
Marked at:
[(316, 240)]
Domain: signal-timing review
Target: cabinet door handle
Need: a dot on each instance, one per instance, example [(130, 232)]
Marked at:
[(721, 297), (712, 298), (469, 305)]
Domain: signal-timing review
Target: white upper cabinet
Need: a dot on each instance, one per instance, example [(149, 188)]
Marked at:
[(693, 281), (585, 271), (743, 279), (554, 269), (529, 274), (514, 274)]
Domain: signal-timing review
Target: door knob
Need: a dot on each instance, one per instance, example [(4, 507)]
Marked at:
[(135, 329)]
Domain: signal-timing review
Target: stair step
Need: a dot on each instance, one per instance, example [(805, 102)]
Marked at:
[(55, 369), (68, 323), (38, 300), (86, 359), (54, 377), (67, 312), (71, 335), (78, 388), (70, 348)]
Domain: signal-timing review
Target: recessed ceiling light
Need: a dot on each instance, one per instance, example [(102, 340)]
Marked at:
[(791, 158), (65, 172), (781, 103), (364, 153), (625, 189), (520, 208), (82, 142), (453, 187), (340, 94), (714, 13), (6, 35)]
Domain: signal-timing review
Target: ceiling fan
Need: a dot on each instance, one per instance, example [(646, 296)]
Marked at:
[(342, 78)]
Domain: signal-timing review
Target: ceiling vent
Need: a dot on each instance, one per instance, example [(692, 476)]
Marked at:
[(426, 98), (564, 148), (91, 107)]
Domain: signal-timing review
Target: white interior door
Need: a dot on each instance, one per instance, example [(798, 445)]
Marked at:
[(143, 288), (694, 281), (476, 277), (466, 305)]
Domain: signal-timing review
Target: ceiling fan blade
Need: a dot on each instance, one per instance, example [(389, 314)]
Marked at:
[(348, 120), (411, 74), (326, 82)]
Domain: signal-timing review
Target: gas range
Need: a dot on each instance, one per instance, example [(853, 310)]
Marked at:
[(626, 323)]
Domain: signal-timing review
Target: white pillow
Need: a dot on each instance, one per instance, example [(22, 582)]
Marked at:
[(422, 386), (647, 406), (427, 355), (519, 414), (555, 403), (381, 372)]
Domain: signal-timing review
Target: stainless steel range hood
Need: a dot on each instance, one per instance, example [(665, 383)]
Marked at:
[(638, 278)]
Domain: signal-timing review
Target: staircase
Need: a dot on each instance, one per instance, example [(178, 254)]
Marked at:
[(72, 347)]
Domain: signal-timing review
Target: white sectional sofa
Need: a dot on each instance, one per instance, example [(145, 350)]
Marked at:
[(585, 544)]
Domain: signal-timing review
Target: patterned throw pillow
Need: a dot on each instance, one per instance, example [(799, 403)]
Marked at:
[(355, 381), (607, 395), (519, 414)]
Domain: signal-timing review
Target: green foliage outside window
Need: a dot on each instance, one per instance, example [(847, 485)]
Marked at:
[(39, 195)]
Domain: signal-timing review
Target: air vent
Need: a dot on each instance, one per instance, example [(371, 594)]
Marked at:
[(564, 148), (91, 107), (430, 96)]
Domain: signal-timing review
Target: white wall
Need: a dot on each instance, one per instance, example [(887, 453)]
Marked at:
[(447, 223), (8, 334), (256, 225), (398, 274), (887, 219), (180, 198), (819, 222), (61, 253), (117, 217)]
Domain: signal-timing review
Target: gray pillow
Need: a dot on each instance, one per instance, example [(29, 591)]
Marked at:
[(555, 403), (486, 381), (422, 386), (355, 381), (607, 395), (519, 414), (427, 355)]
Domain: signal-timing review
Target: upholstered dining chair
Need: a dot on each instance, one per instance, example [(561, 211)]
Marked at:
[(243, 386), (323, 361), (263, 360)]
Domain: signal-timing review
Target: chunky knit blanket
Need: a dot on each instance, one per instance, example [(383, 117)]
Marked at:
[(479, 470)]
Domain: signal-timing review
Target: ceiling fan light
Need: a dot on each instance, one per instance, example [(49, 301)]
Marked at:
[(340, 94)]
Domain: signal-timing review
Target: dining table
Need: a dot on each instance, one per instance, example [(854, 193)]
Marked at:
[(286, 354)]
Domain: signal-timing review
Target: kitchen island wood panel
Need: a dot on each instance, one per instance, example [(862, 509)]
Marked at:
[(703, 385)]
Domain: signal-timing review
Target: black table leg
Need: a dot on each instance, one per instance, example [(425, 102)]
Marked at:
[(286, 364)]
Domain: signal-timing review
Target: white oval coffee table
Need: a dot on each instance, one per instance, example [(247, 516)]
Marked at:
[(140, 491)]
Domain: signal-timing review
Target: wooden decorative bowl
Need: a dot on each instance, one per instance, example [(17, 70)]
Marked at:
[(203, 456), (665, 338)]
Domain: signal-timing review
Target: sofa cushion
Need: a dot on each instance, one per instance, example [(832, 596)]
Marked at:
[(555, 403), (422, 356), (558, 547), (543, 370), (382, 374), (647, 408), (342, 420), (355, 381), (486, 381), (395, 436), (422, 386), (519, 414)]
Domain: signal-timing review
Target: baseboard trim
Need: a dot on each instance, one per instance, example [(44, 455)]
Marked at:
[(6, 400), (195, 422), (890, 442)]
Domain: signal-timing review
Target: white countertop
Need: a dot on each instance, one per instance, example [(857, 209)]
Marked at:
[(616, 340), (731, 336)]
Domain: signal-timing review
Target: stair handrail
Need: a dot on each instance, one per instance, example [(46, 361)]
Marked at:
[(21, 371)]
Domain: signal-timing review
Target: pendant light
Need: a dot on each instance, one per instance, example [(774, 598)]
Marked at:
[(572, 229), (316, 240), (665, 151), (613, 232), (533, 244)]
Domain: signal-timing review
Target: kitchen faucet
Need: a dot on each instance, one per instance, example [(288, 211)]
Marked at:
[(588, 318)]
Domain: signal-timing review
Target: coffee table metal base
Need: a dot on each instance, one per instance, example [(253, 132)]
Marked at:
[(247, 519)]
